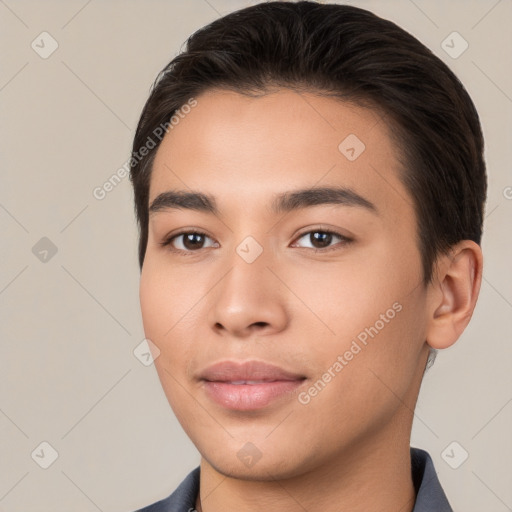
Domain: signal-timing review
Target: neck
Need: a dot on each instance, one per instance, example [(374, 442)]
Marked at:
[(372, 475)]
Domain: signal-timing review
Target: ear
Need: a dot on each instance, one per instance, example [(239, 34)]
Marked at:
[(453, 293)]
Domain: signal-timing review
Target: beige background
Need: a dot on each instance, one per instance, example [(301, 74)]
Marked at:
[(69, 325)]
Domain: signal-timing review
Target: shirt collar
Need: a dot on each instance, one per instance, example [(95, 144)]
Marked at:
[(430, 496)]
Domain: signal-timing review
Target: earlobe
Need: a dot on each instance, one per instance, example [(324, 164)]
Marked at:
[(454, 293)]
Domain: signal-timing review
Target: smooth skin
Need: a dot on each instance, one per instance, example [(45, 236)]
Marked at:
[(348, 448)]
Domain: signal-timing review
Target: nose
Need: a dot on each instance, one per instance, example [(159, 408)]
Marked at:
[(248, 300)]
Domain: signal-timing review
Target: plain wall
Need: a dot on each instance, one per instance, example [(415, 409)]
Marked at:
[(69, 325)]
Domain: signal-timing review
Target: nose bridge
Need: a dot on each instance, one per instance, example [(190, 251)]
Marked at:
[(249, 276), (250, 263), (249, 293)]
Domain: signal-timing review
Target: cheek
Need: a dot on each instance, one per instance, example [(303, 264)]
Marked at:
[(171, 310), (155, 316), (167, 298), (358, 386), (339, 299), (164, 308), (369, 311)]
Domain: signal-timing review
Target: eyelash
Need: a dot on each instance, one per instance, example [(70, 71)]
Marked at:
[(168, 241)]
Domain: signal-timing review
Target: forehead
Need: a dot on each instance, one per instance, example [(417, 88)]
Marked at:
[(244, 150)]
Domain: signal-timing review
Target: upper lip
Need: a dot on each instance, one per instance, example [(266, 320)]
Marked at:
[(227, 371)]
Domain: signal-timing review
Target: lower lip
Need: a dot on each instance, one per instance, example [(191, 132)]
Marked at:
[(246, 397)]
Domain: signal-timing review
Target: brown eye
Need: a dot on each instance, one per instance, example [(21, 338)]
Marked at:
[(321, 239), (186, 241), (193, 241)]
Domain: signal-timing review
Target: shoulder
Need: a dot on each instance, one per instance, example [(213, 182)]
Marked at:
[(183, 499), (430, 496)]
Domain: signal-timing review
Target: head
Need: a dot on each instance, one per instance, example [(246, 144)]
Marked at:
[(265, 102)]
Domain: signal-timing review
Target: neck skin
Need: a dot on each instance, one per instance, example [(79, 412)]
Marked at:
[(374, 474)]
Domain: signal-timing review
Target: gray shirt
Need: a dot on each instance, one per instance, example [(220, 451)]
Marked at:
[(430, 496)]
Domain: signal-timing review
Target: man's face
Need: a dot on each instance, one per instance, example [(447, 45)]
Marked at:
[(343, 314)]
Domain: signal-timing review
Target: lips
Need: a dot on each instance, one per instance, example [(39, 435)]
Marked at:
[(256, 371), (248, 385)]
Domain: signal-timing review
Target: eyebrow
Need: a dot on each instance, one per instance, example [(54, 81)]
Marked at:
[(282, 203)]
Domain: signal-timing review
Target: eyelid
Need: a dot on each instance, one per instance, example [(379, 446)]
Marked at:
[(167, 242), (344, 238)]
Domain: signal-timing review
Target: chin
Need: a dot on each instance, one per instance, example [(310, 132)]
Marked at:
[(260, 472), (249, 463)]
